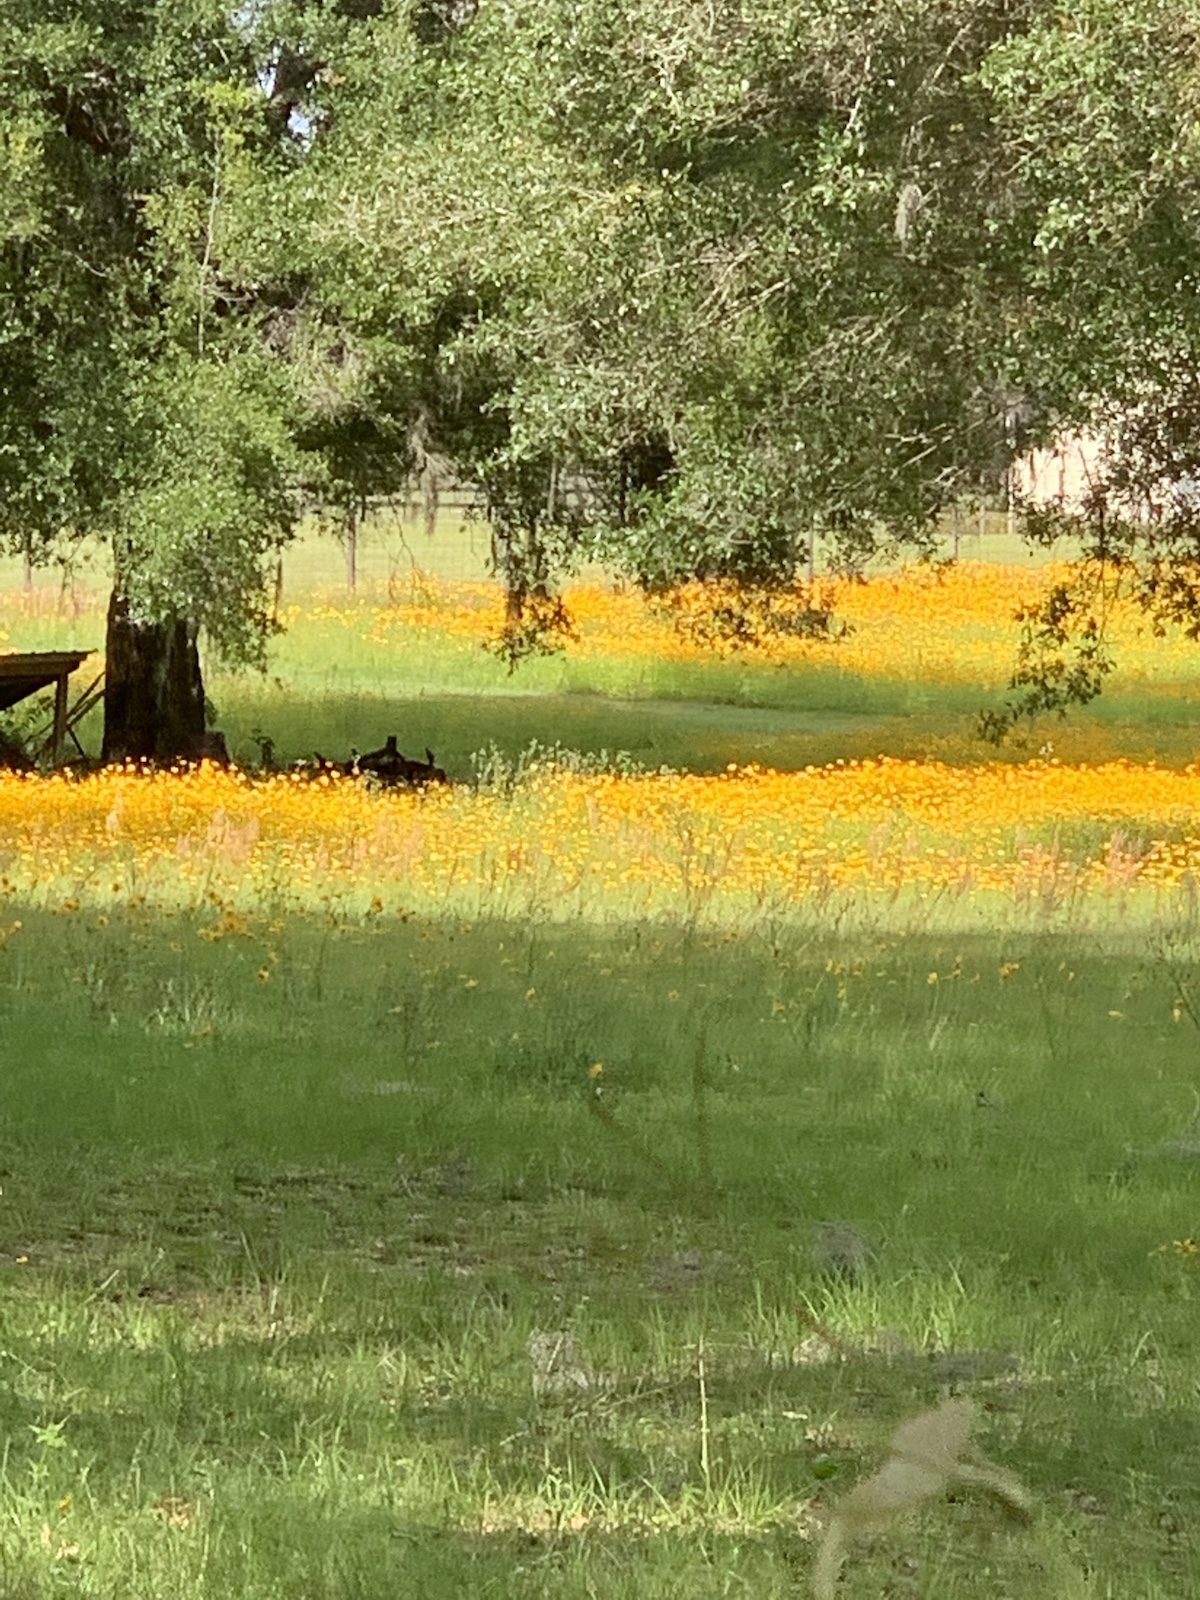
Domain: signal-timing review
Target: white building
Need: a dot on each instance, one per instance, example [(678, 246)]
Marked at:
[(1063, 473)]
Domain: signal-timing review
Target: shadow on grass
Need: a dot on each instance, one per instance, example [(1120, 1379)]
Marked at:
[(280, 1254)]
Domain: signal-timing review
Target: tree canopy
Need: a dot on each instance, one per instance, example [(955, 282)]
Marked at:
[(680, 287), (717, 263), (1096, 112), (136, 399)]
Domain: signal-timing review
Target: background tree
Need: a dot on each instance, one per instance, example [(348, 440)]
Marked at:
[(719, 265), (64, 418), (1095, 113)]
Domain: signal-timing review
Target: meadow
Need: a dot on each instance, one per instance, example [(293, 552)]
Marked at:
[(563, 1184)]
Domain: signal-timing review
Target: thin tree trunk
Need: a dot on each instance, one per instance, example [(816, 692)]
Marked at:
[(352, 546), (432, 495), (552, 492), (153, 689)]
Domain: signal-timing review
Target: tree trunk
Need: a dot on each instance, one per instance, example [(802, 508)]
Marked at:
[(352, 546), (153, 690), (432, 490)]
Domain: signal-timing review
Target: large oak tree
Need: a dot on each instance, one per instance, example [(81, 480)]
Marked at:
[(677, 285), (138, 400)]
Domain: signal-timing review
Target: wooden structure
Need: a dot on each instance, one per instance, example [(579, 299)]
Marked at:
[(24, 673)]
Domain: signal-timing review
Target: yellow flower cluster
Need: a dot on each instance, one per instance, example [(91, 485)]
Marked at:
[(459, 610), (952, 624), (564, 843), (935, 623)]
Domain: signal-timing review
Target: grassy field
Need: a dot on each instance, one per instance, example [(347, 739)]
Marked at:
[(434, 1195)]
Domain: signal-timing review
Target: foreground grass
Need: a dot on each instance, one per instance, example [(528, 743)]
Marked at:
[(282, 1210)]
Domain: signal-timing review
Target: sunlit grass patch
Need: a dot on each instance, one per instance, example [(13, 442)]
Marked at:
[(936, 624)]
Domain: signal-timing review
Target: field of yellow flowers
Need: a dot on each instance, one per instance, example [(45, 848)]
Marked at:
[(564, 841), (939, 623)]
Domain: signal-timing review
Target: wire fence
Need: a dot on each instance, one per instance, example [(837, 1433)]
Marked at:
[(441, 529)]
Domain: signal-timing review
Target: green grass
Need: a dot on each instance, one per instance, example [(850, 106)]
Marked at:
[(392, 546), (281, 1211), (273, 1251)]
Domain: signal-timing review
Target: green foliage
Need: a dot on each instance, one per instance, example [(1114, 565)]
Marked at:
[(1095, 113), (741, 615), (651, 256), (211, 503), (137, 397)]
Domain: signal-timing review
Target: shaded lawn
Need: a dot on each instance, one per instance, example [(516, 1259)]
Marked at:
[(696, 736), (274, 1252)]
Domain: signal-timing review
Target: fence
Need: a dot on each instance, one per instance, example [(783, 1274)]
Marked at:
[(430, 528)]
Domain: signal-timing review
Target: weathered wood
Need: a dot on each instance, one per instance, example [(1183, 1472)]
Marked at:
[(387, 765), (390, 765), (23, 673), (60, 720)]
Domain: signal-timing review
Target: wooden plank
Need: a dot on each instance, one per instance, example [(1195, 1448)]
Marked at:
[(60, 718), (16, 687), (23, 673), (14, 662)]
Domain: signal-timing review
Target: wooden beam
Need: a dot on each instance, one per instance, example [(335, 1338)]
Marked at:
[(60, 718)]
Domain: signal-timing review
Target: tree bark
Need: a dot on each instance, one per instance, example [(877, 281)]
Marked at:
[(351, 537), (153, 689)]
